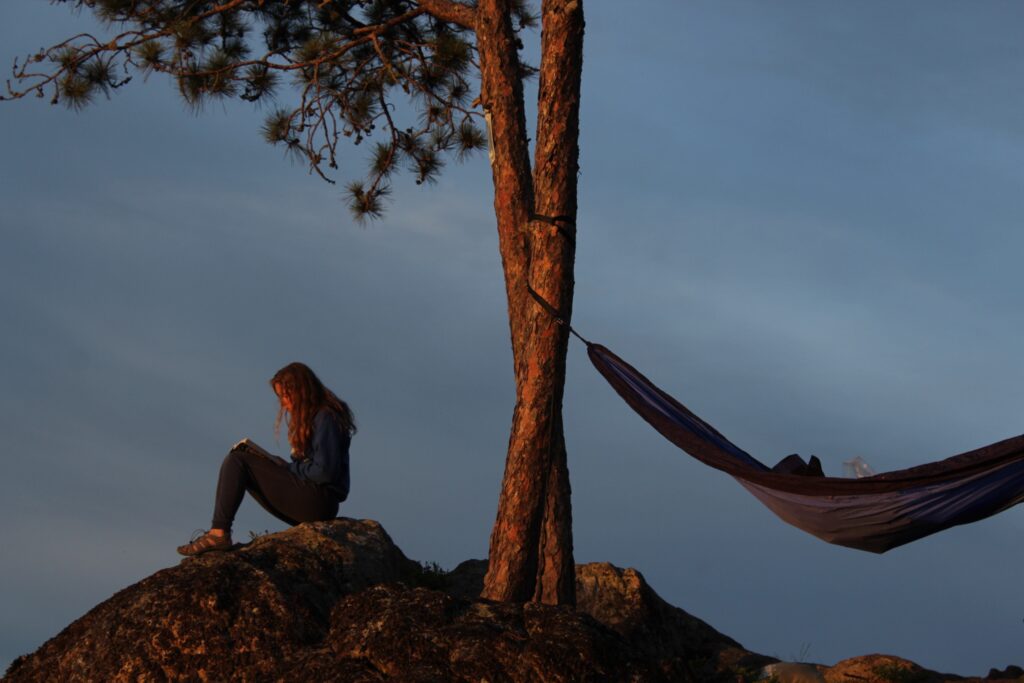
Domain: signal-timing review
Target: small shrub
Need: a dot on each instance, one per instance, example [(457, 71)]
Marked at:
[(430, 575)]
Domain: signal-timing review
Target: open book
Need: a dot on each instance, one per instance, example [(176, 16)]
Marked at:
[(253, 447)]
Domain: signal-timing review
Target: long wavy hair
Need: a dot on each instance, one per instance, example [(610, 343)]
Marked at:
[(307, 395)]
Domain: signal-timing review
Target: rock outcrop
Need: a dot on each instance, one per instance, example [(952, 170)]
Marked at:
[(338, 601)]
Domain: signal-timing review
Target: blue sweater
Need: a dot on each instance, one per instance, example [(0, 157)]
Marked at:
[(326, 461)]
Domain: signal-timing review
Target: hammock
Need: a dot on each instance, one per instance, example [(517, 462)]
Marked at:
[(875, 513)]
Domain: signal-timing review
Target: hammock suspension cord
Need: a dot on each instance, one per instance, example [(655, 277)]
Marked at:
[(562, 224), (874, 514)]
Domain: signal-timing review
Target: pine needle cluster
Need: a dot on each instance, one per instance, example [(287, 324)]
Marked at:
[(351, 70)]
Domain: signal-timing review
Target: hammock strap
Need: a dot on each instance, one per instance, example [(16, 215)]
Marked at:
[(561, 224), (554, 313)]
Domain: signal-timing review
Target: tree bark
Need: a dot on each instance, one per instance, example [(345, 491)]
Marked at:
[(531, 543), (555, 173)]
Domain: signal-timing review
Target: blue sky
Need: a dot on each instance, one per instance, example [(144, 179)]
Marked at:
[(800, 218)]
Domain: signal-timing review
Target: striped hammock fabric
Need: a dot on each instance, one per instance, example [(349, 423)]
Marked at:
[(874, 513)]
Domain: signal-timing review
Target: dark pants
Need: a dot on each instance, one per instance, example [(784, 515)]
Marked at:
[(281, 493)]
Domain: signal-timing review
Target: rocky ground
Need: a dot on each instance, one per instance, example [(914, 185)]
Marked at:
[(338, 601)]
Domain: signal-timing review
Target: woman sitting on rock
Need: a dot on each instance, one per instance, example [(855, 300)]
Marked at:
[(308, 489)]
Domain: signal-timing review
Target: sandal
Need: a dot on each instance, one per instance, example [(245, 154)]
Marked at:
[(204, 542)]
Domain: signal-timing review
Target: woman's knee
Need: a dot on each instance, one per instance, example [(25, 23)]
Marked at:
[(235, 459)]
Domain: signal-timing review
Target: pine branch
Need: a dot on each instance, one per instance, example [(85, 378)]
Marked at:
[(452, 12), (342, 70)]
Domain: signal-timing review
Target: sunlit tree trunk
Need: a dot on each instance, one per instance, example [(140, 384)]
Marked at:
[(531, 543)]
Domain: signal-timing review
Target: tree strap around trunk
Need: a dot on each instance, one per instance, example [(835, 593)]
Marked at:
[(560, 223)]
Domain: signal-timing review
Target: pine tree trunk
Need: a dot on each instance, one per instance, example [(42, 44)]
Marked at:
[(531, 544)]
